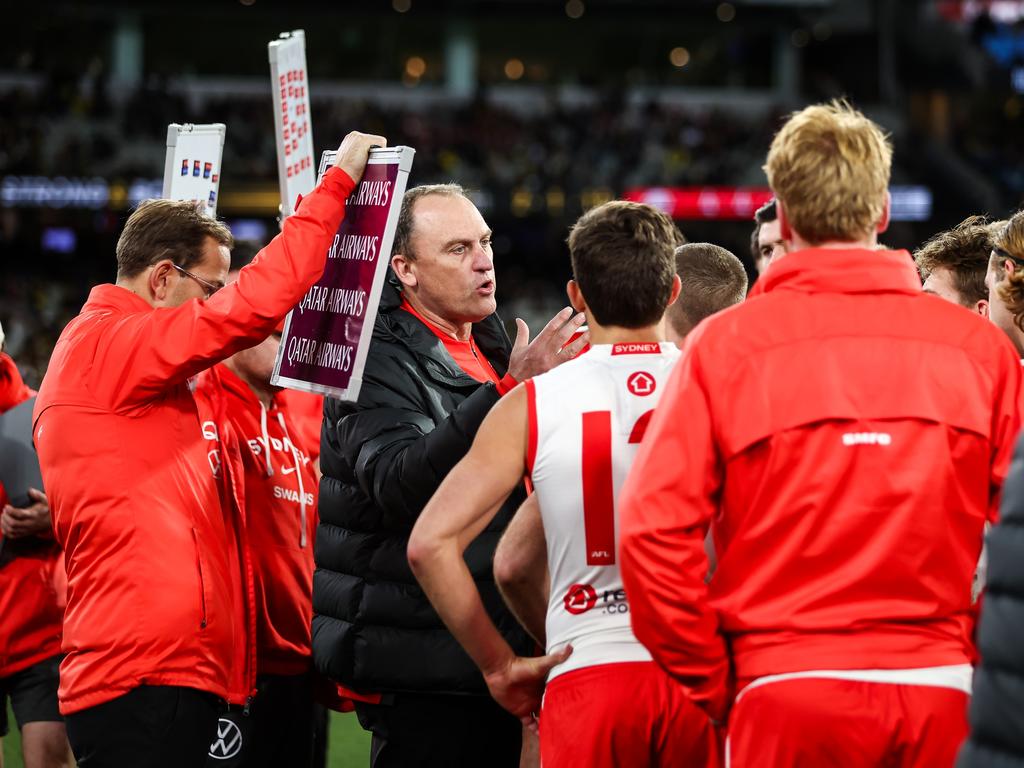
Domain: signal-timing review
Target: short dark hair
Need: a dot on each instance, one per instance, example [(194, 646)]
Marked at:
[(963, 250), (762, 215), (403, 230), (243, 253), (712, 279), (623, 261), (166, 229)]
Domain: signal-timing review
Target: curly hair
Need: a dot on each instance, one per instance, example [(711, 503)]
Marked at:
[(964, 250), (1008, 245)]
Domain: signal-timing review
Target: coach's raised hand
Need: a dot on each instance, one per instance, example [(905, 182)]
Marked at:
[(355, 151), (548, 349)]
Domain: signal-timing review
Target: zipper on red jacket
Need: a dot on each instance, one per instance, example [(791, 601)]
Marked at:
[(232, 500), (202, 583), (245, 554)]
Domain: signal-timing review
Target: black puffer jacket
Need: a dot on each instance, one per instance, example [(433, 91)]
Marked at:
[(997, 708), (382, 459)]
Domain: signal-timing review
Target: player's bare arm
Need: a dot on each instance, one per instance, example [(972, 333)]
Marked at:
[(463, 505), (521, 568)]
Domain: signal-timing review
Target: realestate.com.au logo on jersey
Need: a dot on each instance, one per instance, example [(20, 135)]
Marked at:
[(581, 598)]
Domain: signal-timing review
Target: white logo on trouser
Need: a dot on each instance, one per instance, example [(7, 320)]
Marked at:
[(228, 742)]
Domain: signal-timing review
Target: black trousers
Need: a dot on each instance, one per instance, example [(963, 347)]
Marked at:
[(429, 730), (277, 731), (149, 727)]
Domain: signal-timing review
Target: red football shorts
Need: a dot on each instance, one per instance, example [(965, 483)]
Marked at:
[(627, 714), (828, 723)]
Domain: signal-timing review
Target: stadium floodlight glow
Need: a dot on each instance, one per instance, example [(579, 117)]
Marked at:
[(415, 66), (679, 57), (514, 69)]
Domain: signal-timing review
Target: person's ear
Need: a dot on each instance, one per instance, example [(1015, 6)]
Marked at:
[(160, 279), (677, 287), (572, 288), (883, 223), (981, 307), (405, 270)]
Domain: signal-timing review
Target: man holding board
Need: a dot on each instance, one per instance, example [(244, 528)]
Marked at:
[(438, 362), (148, 631)]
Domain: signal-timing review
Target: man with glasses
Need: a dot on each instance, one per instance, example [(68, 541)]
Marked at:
[(150, 629), (209, 288)]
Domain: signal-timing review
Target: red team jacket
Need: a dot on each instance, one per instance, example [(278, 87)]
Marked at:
[(150, 582), (306, 411), (30, 610), (271, 494), (846, 437)]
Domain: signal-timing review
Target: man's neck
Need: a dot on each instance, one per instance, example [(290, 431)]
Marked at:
[(136, 286), (263, 390), (868, 243), (613, 334), (457, 330)]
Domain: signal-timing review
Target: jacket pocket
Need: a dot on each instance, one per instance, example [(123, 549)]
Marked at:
[(202, 583)]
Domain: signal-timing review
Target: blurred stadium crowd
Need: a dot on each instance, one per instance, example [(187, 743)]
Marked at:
[(954, 110)]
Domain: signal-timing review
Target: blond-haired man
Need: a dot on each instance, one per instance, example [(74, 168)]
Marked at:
[(846, 467)]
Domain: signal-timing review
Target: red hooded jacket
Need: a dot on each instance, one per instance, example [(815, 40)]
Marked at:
[(272, 490), (846, 437), (135, 505), (30, 607), (306, 412)]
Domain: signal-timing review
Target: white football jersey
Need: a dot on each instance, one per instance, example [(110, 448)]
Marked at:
[(586, 420)]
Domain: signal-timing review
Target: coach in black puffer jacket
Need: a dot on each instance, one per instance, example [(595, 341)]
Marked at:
[(997, 707), (382, 459)]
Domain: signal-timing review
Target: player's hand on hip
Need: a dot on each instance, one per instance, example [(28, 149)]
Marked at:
[(355, 151), (548, 348), (519, 685)]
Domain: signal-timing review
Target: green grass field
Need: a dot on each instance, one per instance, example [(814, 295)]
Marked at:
[(348, 747)]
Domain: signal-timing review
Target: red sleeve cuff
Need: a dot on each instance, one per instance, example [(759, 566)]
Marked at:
[(342, 178), (506, 385)]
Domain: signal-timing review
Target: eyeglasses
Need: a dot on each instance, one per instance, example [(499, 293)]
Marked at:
[(211, 288)]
